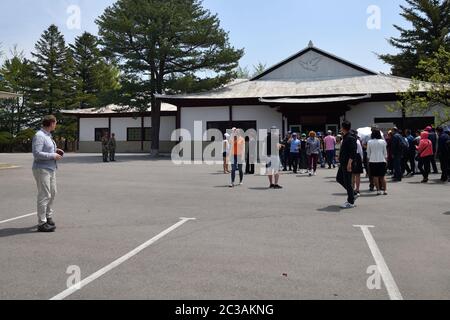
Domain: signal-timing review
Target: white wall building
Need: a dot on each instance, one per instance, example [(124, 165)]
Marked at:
[(132, 129)]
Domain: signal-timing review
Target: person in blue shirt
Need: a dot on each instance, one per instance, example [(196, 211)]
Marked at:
[(295, 151), (411, 156), (46, 155)]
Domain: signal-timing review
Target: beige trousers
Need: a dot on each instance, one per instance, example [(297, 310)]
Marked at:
[(46, 185)]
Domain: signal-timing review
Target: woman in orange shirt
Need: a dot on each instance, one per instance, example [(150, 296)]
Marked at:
[(237, 156)]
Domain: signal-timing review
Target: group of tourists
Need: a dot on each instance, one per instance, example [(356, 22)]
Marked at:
[(353, 152), (306, 152), (408, 152)]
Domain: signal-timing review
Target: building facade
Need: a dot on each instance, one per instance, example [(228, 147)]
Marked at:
[(311, 90), (132, 129)]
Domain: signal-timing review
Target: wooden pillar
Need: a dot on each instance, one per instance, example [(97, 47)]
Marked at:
[(78, 133), (142, 133), (178, 119)]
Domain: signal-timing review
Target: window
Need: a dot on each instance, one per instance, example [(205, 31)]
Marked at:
[(295, 128), (100, 132), (135, 134)]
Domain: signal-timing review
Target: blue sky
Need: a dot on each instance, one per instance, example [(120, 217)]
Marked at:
[(270, 31)]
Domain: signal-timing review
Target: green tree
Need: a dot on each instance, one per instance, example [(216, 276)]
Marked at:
[(16, 77), (430, 20), (259, 68), (95, 78), (434, 95), (244, 72), (54, 85), (166, 46)]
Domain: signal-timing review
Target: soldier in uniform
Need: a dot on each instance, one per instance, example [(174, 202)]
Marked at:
[(105, 147), (112, 148)]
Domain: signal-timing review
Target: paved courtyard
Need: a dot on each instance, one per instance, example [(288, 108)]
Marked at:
[(246, 243)]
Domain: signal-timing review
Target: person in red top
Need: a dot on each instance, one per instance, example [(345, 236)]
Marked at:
[(425, 151)]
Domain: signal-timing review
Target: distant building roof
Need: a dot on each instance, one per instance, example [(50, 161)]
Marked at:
[(9, 95), (115, 109), (359, 85), (310, 73)]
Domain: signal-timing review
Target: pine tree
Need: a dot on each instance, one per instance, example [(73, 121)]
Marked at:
[(16, 77), (430, 21), (54, 86), (95, 78), (163, 45)]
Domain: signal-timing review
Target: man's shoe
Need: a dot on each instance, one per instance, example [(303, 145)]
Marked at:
[(51, 222), (277, 187), (46, 228), (348, 206), (272, 186)]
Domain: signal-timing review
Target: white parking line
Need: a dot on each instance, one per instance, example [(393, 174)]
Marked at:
[(386, 275), (17, 218), (118, 262)]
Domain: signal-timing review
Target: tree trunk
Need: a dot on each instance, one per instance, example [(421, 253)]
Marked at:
[(157, 83), (156, 126)]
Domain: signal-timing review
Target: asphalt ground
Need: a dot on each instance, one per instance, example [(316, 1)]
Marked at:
[(247, 243)]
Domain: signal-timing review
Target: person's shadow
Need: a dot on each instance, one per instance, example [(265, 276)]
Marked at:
[(331, 209), (10, 232)]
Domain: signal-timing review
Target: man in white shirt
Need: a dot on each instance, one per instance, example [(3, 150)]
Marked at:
[(46, 155)]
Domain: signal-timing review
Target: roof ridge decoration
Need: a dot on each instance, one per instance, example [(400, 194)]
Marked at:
[(313, 64)]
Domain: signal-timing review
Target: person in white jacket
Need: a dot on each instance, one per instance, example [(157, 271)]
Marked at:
[(377, 157)]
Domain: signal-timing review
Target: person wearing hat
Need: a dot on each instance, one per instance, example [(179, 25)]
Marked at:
[(444, 153), (433, 138), (425, 151), (295, 151), (226, 152), (330, 148), (313, 151)]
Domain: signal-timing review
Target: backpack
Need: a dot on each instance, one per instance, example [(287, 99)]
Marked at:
[(404, 145)]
